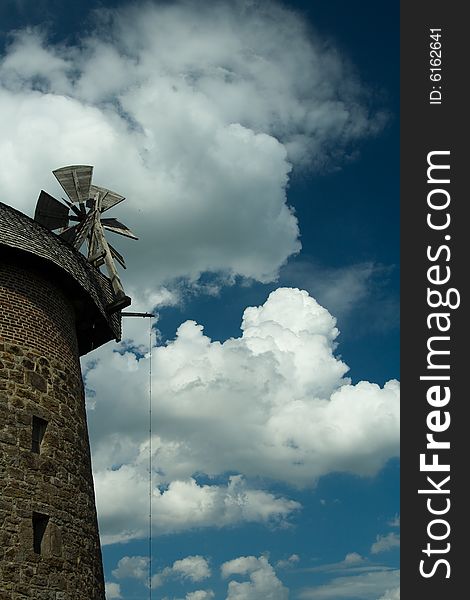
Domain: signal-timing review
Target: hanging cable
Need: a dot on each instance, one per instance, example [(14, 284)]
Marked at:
[(150, 459), (138, 314)]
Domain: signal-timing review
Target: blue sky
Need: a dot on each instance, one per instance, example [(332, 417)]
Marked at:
[(276, 476)]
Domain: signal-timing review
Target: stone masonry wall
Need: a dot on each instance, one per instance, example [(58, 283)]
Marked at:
[(40, 377)]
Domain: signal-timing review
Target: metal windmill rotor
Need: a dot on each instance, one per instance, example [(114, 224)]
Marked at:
[(86, 202)]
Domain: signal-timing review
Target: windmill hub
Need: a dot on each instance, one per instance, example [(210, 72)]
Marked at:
[(79, 220)]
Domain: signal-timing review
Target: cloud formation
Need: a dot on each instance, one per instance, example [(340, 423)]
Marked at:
[(183, 505), (393, 594), (254, 578), (395, 522), (352, 563), (263, 583), (384, 543), (202, 113), (289, 562), (201, 117), (132, 567), (367, 586), (191, 568), (356, 292), (272, 404), (113, 590), (201, 595)]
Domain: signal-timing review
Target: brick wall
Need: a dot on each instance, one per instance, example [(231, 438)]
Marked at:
[(40, 380)]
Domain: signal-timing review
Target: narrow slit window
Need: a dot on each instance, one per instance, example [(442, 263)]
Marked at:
[(39, 429), (40, 522)]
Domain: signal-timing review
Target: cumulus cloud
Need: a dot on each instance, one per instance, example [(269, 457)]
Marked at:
[(353, 558), (384, 543), (263, 583), (132, 567), (202, 113), (192, 568), (112, 590), (273, 403), (366, 586), (183, 505), (196, 595), (200, 595)]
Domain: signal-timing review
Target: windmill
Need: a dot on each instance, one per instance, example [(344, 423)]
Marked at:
[(80, 220)]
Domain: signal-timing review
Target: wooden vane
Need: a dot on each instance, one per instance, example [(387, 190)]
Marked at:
[(83, 208)]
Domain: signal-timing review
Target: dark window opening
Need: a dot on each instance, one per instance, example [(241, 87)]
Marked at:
[(39, 429), (39, 528)]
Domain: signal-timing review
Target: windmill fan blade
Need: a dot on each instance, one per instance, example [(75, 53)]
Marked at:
[(83, 230), (69, 234), (107, 197), (118, 227), (72, 206), (76, 181), (115, 254), (50, 212)]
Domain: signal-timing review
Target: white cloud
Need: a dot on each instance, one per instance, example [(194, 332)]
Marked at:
[(263, 583), (273, 403), (241, 565), (132, 567), (112, 590), (200, 595), (196, 595), (289, 562), (391, 594), (366, 586), (395, 522), (122, 499), (198, 121), (385, 543), (280, 373), (192, 568), (352, 562), (353, 558)]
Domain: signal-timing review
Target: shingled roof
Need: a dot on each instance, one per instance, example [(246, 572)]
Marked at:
[(88, 289)]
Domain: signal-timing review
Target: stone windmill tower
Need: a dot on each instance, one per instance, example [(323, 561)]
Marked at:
[(55, 305)]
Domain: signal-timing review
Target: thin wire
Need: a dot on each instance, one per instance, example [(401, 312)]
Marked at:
[(150, 460)]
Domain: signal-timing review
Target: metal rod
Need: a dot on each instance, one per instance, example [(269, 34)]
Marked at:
[(136, 314)]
